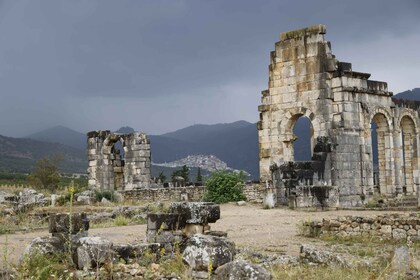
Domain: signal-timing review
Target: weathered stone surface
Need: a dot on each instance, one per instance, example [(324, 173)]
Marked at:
[(399, 233), (387, 226), (310, 254), (165, 221), (196, 212), (202, 250), (108, 170), (307, 80), (44, 245), (239, 270), (93, 252), (241, 203), (400, 262), (136, 251), (60, 223)]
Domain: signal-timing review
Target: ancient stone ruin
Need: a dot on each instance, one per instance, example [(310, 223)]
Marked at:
[(307, 80), (111, 168)]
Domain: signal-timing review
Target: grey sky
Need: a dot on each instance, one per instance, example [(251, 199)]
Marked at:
[(162, 65)]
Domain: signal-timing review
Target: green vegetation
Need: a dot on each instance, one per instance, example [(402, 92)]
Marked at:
[(162, 177), (46, 175), (199, 178), (109, 195), (311, 272), (121, 221), (184, 173), (224, 186)]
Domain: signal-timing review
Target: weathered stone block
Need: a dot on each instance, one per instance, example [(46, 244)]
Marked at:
[(93, 252), (60, 223), (196, 212), (202, 250), (240, 269), (165, 221)]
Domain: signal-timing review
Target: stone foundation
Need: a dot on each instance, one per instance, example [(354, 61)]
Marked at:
[(392, 226)]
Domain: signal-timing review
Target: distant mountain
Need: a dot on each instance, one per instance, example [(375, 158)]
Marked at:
[(21, 154), (409, 95), (409, 99), (62, 135), (125, 129), (234, 143)]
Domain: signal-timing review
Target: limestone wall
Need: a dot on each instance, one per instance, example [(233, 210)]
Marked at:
[(307, 80), (390, 226), (110, 169), (164, 194), (254, 193)]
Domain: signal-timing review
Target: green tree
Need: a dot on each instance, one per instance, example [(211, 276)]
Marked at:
[(162, 177), (45, 174), (184, 173), (199, 178), (224, 186)]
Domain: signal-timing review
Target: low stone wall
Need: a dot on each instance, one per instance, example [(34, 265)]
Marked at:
[(390, 226), (164, 194), (254, 193)]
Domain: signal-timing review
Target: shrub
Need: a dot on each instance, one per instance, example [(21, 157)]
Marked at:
[(109, 195), (121, 221), (224, 186)]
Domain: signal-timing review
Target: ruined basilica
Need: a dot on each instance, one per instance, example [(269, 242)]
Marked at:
[(307, 80)]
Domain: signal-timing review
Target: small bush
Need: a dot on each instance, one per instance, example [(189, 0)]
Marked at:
[(109, 195), (121, 221), (224, 186)]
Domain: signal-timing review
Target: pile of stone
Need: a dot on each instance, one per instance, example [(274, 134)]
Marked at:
[(184, 230), (25, 200)]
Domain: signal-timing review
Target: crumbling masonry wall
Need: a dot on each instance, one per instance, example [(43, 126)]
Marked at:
[(109, 170), (306, 79)]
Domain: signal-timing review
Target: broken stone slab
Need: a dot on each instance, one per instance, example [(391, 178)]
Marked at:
[(45, 245), (400, 262), (8, 198), (310, 254), (240, 269), (60, 223), (135, 251), (93, 252), (241, 203), (84, 200), (201, 251), (196, 212), (165, 221)]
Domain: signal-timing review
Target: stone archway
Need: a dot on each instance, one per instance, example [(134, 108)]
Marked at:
[(286, 129), (113, 151), (382, 175), (409, 152)]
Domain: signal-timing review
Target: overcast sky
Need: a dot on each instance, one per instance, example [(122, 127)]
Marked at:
[(162, 65)]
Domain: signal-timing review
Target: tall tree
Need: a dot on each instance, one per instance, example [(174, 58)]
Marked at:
[(199, 178), (45, 174)]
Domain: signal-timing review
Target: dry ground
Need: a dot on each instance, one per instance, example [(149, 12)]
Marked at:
[(250, 226)]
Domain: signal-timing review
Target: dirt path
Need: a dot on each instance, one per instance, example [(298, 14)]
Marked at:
[(250, 227)]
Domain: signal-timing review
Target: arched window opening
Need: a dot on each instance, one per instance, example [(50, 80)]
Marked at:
[(303, 139), (407, 135), (117, 159), (375, 160), (379, 129)]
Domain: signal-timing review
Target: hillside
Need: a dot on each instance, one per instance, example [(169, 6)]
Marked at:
[(21, 154), (413, 94), (62, 135), (409, 98), (234, 143)]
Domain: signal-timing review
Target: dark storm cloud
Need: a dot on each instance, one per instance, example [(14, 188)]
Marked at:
[(102, 63)]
